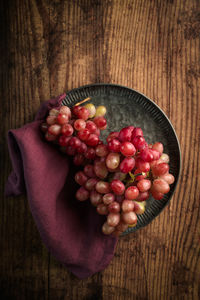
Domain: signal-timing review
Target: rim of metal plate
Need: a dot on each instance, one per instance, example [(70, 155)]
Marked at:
[(91, 90)]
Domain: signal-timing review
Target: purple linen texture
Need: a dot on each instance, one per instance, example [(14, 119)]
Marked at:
[(70, 229)]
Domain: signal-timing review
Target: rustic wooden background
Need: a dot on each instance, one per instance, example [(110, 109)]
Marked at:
[(51, 46)]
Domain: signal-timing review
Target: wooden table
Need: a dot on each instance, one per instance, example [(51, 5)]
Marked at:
[(48, 47)]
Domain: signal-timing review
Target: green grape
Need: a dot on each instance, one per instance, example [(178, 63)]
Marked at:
[(100, 111), (91, 109)]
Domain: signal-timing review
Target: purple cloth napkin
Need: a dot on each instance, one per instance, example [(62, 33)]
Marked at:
[(70, 229)]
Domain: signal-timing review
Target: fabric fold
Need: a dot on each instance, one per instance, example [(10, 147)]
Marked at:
[(70, 229)]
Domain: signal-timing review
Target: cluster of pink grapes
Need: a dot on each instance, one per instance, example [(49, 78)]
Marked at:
[(117, 176), (76, 130)]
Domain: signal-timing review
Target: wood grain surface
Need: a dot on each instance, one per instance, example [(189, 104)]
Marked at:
[(48, 47)]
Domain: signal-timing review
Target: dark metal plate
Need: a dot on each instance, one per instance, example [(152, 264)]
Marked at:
[(126, 107)]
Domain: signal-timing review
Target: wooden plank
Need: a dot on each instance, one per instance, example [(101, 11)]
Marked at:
[(48, 47), (24, 259)]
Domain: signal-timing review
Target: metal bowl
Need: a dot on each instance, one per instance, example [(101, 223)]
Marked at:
[(126, 107)]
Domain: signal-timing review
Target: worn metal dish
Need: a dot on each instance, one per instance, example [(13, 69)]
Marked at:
[(125, 107)]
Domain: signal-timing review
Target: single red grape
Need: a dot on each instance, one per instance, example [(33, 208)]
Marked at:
[(169, 178), (131, 193), (92, 140), (127, 205), (114, 207), (79, 124), (114, 145), (83, 113), (67, 130), (84, 134), (127, 164), (139, 142), (102, 209), (90, 184), (54, 129), (81, 178), (113, 160), (95, 198), (137, 131), (91, 126), (82, 194), (107, 229), (161, 186), (144, 185), (100, 122), (51, 120), (129, 217), (100, 170), (89, 171), (101, 150), (65, 110), (160, 169), (74, 142), (102, 187), (78, 159), (127, 149), (117, 186), (113, 219), (90, 153), (62, 119), (125, 134), (108, 198), (64, 140)]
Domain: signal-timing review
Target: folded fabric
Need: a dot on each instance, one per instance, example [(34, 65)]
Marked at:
[(70, 229)]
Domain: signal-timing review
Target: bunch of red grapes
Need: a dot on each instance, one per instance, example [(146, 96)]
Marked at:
[(117, 176), (76, 130)]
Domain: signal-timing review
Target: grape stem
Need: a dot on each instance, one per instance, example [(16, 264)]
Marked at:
[(133, 177), (83, 101)]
